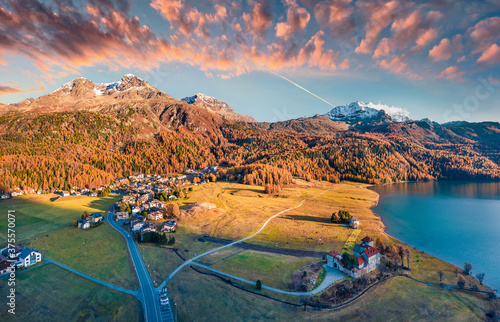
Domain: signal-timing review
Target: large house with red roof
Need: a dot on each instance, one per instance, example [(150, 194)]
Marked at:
[(367, 259)]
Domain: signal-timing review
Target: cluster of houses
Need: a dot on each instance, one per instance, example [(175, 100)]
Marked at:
[(138, 224), (19, 257), (64, 193), (134, 184), (144, 206), (93, 218), (79, 192), (367, 259)]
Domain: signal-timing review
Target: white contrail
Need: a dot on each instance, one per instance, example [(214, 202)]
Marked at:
[(302, 88)]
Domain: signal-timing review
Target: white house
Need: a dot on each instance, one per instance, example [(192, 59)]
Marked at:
[(5, 196), (148, 227), (169, 226), (83, 224), (136, 225), (95, 217), (122, 215), (367, 258), (354, 223), (65, 194), (155, 215), (29, 257)]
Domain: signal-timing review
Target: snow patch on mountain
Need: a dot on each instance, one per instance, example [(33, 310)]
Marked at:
[(358, 111)]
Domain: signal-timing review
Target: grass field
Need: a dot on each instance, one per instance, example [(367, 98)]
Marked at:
[(49, 293), (391, 301), (308, 227), (160, 261), (47, 226), (272, 269)]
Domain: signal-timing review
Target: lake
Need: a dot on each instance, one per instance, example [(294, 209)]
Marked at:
[(455, 221)]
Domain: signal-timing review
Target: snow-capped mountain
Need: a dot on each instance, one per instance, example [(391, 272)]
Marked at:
[(359, 111), (216, 106), (83, 87)]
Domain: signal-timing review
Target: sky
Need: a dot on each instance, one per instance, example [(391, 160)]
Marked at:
[(273, 60)]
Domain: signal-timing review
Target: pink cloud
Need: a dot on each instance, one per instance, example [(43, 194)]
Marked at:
[(336, 15), (186, 19), (380, 14), (452, 73), (6, 89), (491, 55), (396, 65), (259, 19), (446, 48), (486, 30), (314, 54), (383, 48), (297, 20), (426, 37)]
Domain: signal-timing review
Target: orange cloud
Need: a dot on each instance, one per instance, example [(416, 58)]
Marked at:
[(297, 19), (491, 55), (446, 48), (335, 15), (314, 54), (259, 19), (426, 37), (6, 89), (380, 15), (452, 73)]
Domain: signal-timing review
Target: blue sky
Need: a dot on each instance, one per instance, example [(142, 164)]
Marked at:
[(438, 59)]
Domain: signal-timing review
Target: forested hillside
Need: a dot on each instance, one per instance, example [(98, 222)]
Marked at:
[(73, 137)]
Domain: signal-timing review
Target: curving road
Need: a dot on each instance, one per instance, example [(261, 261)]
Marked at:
[(332, 275), (146, 293), (191, 261)]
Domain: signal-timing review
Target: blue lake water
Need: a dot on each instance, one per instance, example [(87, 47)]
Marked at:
[(455, 221)]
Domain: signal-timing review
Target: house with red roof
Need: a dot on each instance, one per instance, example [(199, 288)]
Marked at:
[(366, 256)]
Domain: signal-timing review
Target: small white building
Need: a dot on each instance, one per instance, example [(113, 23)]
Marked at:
[(155, 215), (29, 257), (65, 194), (95, 217), (354, 223), (83, 224), (122, 215), (169, 226), (136, 225)]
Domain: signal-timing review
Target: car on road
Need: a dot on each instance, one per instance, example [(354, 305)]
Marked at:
[(164, 298)]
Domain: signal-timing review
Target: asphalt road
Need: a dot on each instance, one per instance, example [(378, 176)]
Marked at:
[(147, 292)]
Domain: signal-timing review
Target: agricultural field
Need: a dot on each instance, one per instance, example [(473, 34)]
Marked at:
[(50, 293), (45, 223)]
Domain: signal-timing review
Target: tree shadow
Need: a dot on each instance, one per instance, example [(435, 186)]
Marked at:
[(308, 218)]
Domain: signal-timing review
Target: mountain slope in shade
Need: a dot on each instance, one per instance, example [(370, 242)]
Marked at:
[(218, 107), (362, 112), (318, 124)]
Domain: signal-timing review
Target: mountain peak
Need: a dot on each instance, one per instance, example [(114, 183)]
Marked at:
[(216, 106), (359, 111)]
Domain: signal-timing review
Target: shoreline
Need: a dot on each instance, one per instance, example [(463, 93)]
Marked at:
[(376, 203)]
